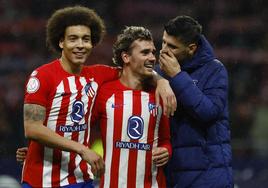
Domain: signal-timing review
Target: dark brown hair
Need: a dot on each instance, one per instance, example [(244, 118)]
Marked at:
[(71, 16)]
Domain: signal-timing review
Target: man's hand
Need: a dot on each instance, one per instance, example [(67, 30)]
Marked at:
[(95, 160), (169, 63), (21, 154), (160, 156), (164, 91)]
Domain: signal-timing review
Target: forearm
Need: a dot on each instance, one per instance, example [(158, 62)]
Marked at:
[(36, 131), (34, 116)]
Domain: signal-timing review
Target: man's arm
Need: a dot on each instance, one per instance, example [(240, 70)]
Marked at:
[(34, 116), (21, 154), (164, 91), (163, 151)]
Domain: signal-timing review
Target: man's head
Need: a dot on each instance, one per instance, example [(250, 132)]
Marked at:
[(181, 37), (73, 16), (134, 50)]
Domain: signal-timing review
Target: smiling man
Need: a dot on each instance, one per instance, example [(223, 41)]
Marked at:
[(58, 102), (135, 133)]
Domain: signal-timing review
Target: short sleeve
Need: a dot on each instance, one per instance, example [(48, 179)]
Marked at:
[(104, 73), (36, 89)]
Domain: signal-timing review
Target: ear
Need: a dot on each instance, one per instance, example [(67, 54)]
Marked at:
[(192, 48), (125, 57), (61, 43)]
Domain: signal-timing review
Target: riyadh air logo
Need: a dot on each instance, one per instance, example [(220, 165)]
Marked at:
[(152, 109), (135, 127), (77, 111), (117, 105), (89, 90)]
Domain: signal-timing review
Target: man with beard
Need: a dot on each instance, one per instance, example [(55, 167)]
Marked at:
[(200, 132)]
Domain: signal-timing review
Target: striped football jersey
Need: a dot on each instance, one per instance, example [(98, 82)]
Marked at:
[(131, 126), (68, 100)]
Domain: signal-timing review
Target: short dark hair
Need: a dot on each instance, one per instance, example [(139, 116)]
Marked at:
[(71, 16), (126, 38), (187, 29)]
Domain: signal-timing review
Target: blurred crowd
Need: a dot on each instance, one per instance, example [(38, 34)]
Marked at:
[(236, 29)]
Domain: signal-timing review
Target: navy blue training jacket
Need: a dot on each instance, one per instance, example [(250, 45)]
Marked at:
[(200, 132)]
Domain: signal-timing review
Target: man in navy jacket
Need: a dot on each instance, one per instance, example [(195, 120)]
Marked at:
[(200, 129)]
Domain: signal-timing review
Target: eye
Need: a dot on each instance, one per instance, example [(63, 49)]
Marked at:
[(88, 39)]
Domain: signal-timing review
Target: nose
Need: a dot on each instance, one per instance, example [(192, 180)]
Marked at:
[(164, 47), (152, 57), (80, 43)]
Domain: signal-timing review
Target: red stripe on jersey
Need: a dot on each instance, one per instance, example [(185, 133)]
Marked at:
[(161, 180), (36, 177), (118, 117), (56, 152), (131, 175)]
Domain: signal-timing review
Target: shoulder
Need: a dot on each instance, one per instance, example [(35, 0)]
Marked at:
[(99, 68), (215, 67), (111, 86), (46, 68)]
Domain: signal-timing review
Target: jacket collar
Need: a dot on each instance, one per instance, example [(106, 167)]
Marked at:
[(203, 55)]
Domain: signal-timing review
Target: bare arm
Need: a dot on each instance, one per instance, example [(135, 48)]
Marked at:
[(168, 97), (34, 116)]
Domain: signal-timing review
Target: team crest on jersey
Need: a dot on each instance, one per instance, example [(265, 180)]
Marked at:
[(195, 82), (32, 85), (90, 90), (135, 127), (153, 109)]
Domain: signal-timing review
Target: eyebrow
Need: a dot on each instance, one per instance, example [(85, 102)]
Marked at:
[(148, 50), (74, 35)]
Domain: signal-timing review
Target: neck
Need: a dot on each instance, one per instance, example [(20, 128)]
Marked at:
[(69, 67), (131, 81)]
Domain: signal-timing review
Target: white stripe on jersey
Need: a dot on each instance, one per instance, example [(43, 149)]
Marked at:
[(65, 156), (48, 152), (124, 153), (145, 114), (109, 141), (155, 143)]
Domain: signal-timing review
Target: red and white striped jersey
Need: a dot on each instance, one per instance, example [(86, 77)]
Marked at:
[(131, 126), (68, 100)]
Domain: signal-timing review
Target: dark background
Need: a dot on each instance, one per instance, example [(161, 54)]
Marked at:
[(237, 30)]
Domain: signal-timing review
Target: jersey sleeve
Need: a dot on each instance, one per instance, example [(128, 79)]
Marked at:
[(37, 88), (164, 134), (104, 73)]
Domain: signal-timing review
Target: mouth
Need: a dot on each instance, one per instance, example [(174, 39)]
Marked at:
[(79, 54), (149, 65)]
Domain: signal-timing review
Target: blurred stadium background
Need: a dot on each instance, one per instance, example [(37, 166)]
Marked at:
[(237, 30)]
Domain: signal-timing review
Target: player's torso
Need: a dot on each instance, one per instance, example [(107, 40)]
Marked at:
[(68, 102), (129, 131)]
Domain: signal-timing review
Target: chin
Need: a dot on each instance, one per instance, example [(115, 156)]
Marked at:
[(79, 61)]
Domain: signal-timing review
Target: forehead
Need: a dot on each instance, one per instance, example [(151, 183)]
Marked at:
[(77, 30), (142, 44), (171, 39)]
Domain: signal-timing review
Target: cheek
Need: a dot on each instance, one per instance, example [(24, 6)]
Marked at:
[(89, 46)]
